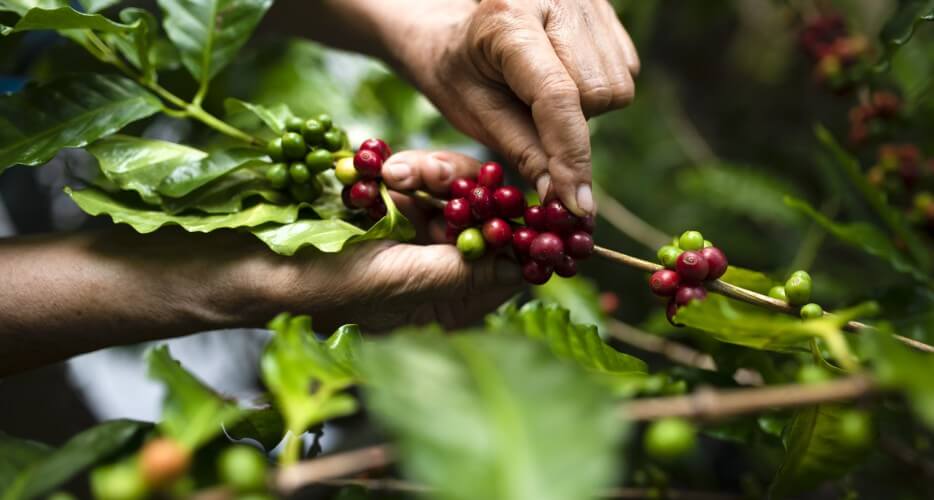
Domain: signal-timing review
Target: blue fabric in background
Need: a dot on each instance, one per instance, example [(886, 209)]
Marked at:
[(11, 83)]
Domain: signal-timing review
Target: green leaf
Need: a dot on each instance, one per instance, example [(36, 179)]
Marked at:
[(138, 47), (192, 413), (898, 367), (210, 33), (146, 220), (227, 194), (274, 116), (21, 7), (748, 279), (264, 426), (306, 375), (815, 451), (901, 27), (16, 455), (187, 178), (578, 294), (98, 5), (745, 191), (492, 417), (69, 113), (82, 451), (332, 235), (864, 237), (66, 18)]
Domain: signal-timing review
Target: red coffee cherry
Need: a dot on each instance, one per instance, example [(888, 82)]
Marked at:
[(716, 262), (345, 197), (377, 211), (558, 218), (670, 312), (368, 163), (687, 293), (587, 224), (162, 461), (461, 187), (364, 193), (497, 233), (509, 202), (490, 175), (547, 248), (457, 213), (535, 272), (535, 218), (567, 267), (692, 266), (579, 245), (481, 203), (664, 283), (522, 240), (377, 146)]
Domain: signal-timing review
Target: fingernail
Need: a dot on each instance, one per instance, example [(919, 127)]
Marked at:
[(585, 199), (543, 185), (507, 272), (445, 169), (398, 171)]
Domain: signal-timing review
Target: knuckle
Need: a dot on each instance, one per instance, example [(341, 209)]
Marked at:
[(597, 97), (528, 159), (622, 94)]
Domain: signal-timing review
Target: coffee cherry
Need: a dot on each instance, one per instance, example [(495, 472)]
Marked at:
[(708, 243), (664, 283), (274, 149), (243, 468), (333, 140), (579, 245), (812, 374), (293, 146), (490, 175), (811, 311), (457, 213), (346, 172), (668, 255), (691, 240), (313, 132), (162, 461), (778, 292), (307, 192), (567, 268), (470, 243), (497, 233), (587, 224), (368, 163), (558, 218), (687, 293), (535, 218), (509, 202), (345, 197), (299, 172), (325, 120), (278, 175), (293, 124), (121, 481), (451, 233), (801, 274), (547, 248), (378, 146), (319, 160), (855, 429), (692, 266), (670, 310), (716, 262), (522, 240), (461, 187), (481, 203), (377, 211), (535, 272), (798, 288), (669, 438), (609, 302), (364, 193)]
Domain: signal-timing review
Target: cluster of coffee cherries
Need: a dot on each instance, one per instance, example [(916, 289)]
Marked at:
[(839, 56), (483, 214), (874, 118), (303, 151), (907, 180), (797, 292), (361, 176), (689, 261)]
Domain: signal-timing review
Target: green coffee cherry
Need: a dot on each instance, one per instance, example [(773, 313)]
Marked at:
[(325, 120), (798, 288), (801, 274), (118, 482), (333, 140), (346, 172), (675, 242), (299, 172), (307, 192), (294, 124), (274, 149), (778, 292), (243, 467), (319, 160), (293, 146), (470, 243), (855, 428), (313, 132), (278, 175), (668, 255), (812, 374), (669, 438), (811, 311), (708, 243), (691, 240)]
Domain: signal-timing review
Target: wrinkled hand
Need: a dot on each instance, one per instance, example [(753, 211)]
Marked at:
[(521, 76)]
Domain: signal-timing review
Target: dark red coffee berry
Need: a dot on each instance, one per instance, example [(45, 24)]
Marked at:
[(481, 203), (567, 267), (364, 193), (670, 312), (547, 248), (692, 266), (497, 233), (558, 218), (457, 213), (664, 283), (522, 240), (687, 293), (490, 175), (451, 233), (509, 202), (716, 262), (377, 146), (535, 272), (535, 218), (461, 187), (587, 224), (579, 245), (345, 197), (377, 211), (368, 163)]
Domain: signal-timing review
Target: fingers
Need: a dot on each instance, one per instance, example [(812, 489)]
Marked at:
[(429, 170)]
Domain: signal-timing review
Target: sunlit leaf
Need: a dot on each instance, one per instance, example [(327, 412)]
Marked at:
[(264, 426), (273, 117), (578, 295), (22, 6), (187, 178), (748, 279), (900, 368)]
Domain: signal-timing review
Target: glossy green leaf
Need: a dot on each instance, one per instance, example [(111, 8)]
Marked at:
[(192, 413), (228, 194), (187, 178), (82, 451), (15, 456), (41, 120), (748, 279), (146, 220), (898, 367), (98, 5), (138, 46), (66, 18), (22, 6), (578, 295), (815, 451), (210, 33), (901, 27), (273, 117), (305, 375), (264, 426), (492, 417)]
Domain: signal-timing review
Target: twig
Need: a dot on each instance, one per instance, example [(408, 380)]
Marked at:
[(627, 222), (679, 353), (292, 478), (909, 457)]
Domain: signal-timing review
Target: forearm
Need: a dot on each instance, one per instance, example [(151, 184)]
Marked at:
[(63, 295)]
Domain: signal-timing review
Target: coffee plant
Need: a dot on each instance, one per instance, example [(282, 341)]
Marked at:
[(813, 379)]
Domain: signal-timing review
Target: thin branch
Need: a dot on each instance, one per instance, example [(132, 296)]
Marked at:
[(674, 351), (627, 222), (292, 478)]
